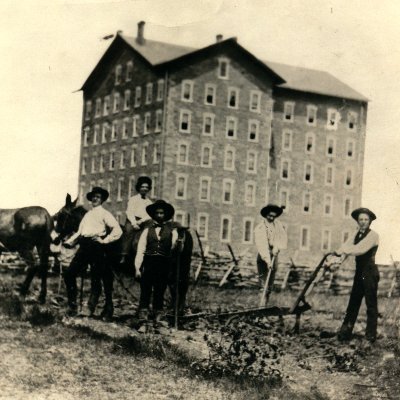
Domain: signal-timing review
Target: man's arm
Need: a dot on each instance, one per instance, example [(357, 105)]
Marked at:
[(261, 241), (116, 231), (280, 242), (130, 211), (370, 241), (73, 238), (141, 248)]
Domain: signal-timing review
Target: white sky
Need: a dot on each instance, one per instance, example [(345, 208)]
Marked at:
[(48, 48)]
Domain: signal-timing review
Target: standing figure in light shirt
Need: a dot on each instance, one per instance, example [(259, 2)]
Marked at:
[(270, 238), (97, 229), (363, 245), (153, 258), (136, 215)]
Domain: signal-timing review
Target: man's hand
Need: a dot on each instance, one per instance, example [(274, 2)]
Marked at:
[(98, 239), (136, 227), (138, 273), (275, 252)]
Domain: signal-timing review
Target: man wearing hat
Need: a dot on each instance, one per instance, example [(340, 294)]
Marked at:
[(363, 245), (270, 237), (97, 229), (153, 258), (136, 214)]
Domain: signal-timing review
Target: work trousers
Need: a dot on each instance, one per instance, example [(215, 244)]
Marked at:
[(94, 254), (154, 280), (365, 284), (263, 273)]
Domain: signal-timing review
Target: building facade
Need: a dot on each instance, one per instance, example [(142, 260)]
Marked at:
[(221, 133)]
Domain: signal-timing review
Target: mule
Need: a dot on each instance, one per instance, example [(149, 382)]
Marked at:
[(68, 220), (22, 230)]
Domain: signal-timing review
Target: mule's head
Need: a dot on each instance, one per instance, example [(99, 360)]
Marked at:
[(69, 217)]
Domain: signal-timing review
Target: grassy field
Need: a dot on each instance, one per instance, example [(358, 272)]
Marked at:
[(41, 358)]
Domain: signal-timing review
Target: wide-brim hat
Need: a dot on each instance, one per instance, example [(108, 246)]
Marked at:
[(168, 209), (141, 180), (363, 210), (271, 207), (98, 190)]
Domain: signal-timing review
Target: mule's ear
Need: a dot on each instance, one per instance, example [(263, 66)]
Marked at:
[(75, 201), (68, 199)]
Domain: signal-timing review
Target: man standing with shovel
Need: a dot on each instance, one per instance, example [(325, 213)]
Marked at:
[(270, 238)]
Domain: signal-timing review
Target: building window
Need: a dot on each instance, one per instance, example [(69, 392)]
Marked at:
[(125, 128), (206, 155), (233, 98), (82, 192), (129, 71), (312, 115), (330, 147), (253, 129), (185, 121), (352, 118), (96, 134), (104, 131), (116, 103), (205, 188), (183, 154), (135, 125), (306, 207), (226, 226), (308, 172), (156, 153), (223, 68), (149, 93), (329, 175), (248, 228), (181, 187), (145, 148), (288, 111), (345, 236), (202, 225), (285, 170), (227, 191), (147, 121), (127, 100), (310, 143), (122, 159), (114, 131), (305, 238), (250, 194), (229, 158), (159, 120), (328, 204), (160, 90), (97, 112), (119, 189), (287, 137), (208, 124), (231, 127), (326, 240), (180, 217), (350, 149), (133, 155), (85, 137), (348, 179), (348, 205), (210, 94), (109, 189), (88, 110), (138, 96), (187, 91), (284, 199), (83, 166), (333, 119), (106, 105), (255, 101), (118, 74), (101, 163), (251, 163), (154, 186), (111, 164)]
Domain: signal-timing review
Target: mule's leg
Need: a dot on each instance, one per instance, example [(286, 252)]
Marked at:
[(27, 255)]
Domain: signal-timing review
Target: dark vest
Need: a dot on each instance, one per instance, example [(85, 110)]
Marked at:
[(367, 258), (156, 247)]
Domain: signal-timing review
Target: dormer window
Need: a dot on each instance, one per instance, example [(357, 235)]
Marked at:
[(223, 68)]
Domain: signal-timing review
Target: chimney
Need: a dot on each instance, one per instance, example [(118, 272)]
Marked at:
[(140, 33), (219, 38)]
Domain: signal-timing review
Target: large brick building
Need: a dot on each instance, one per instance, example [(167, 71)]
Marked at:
[(221, 133)]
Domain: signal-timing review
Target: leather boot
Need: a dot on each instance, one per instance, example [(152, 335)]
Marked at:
[(108, 312)]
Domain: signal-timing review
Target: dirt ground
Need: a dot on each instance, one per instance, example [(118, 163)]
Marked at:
[(43, 356)]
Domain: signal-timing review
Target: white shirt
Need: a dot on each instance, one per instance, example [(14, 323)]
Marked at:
[(269, 236), (136, 209), (366, 244), (142, 244), (95, 223)]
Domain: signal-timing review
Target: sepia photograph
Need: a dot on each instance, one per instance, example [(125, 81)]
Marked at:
[(199, 200)]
